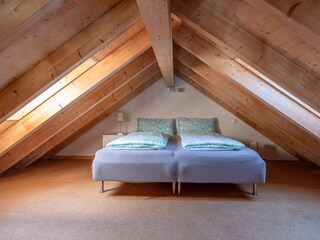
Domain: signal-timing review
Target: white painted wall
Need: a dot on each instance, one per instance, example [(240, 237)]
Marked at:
[(159, 102)]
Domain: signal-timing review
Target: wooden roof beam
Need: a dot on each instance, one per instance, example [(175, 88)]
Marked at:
[(157, 19), (46, 151), (68, 57), (248, 107), (18, 16), (94, 107), (129, 51), (238, 42), (60, 140), (298, 16), (230, 67)]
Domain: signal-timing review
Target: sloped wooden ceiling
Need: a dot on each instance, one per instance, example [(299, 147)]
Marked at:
[(217, 42), (232, 51), (66, 55)]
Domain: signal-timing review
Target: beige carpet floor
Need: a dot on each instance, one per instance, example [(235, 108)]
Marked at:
[(56, 199)]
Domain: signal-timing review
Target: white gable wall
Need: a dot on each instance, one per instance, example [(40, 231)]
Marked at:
[(159, 102)]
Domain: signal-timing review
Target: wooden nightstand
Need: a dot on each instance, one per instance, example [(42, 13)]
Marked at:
[(109, 137)]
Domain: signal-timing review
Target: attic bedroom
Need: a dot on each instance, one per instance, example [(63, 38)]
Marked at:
[(110, 111)]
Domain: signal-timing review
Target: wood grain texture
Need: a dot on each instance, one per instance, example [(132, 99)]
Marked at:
[(26, 47), (157, 19), (6, 124), (249, 108), (273, 33), (122, 56), (67, 57), (250, 49), (16, 12), (297, 16), (230, 67), (111, 97)]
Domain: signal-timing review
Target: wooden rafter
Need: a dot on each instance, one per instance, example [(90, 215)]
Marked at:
[(157, 19), (18, 16), (68, 56), (94, 107), (297, 16), (237, 42), (225, 65), (127, 52), (249, 108), (61, 140), (6, 124)]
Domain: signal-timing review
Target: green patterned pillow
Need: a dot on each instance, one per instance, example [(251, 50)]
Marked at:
[(165, 126), (196, 125)]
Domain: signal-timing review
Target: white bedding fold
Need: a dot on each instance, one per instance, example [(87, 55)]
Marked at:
[(209, 142)]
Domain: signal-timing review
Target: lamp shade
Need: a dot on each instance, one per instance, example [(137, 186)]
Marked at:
[(120, 116)]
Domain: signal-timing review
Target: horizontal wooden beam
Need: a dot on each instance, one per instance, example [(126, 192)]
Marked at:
[(249, 108), (104, 101), (297, 16), (129, 51), (157, 19), (238, 42), (68, 57), (225, 65)]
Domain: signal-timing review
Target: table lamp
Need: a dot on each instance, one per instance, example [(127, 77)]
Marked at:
[(120, 117)]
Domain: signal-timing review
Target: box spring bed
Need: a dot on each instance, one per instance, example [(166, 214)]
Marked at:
[(177, 165)]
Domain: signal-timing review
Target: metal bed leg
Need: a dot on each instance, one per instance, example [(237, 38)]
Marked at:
[(179, 188), (101, 187), (174, 187), (254, 189)]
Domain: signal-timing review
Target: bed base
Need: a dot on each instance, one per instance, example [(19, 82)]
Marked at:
[(254, 189), (102, 187)]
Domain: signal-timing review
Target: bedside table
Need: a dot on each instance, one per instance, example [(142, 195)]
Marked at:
[(109, 137)]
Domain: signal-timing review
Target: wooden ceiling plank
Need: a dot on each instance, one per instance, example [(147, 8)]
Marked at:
[(157, 19), (60, 141), (68, 57), (222, 63), (127, 52), (57, 131), (272, 32), (314, 4), (297, 16), (235, 40), (278, 128), (6, 124), (133, 30), (20, 15), (242, 111), (208, 90)]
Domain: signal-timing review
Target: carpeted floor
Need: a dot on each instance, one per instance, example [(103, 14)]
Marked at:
[(56, 199)]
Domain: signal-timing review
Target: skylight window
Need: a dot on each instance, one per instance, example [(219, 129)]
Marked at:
[(279, 88), (53, 89)]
